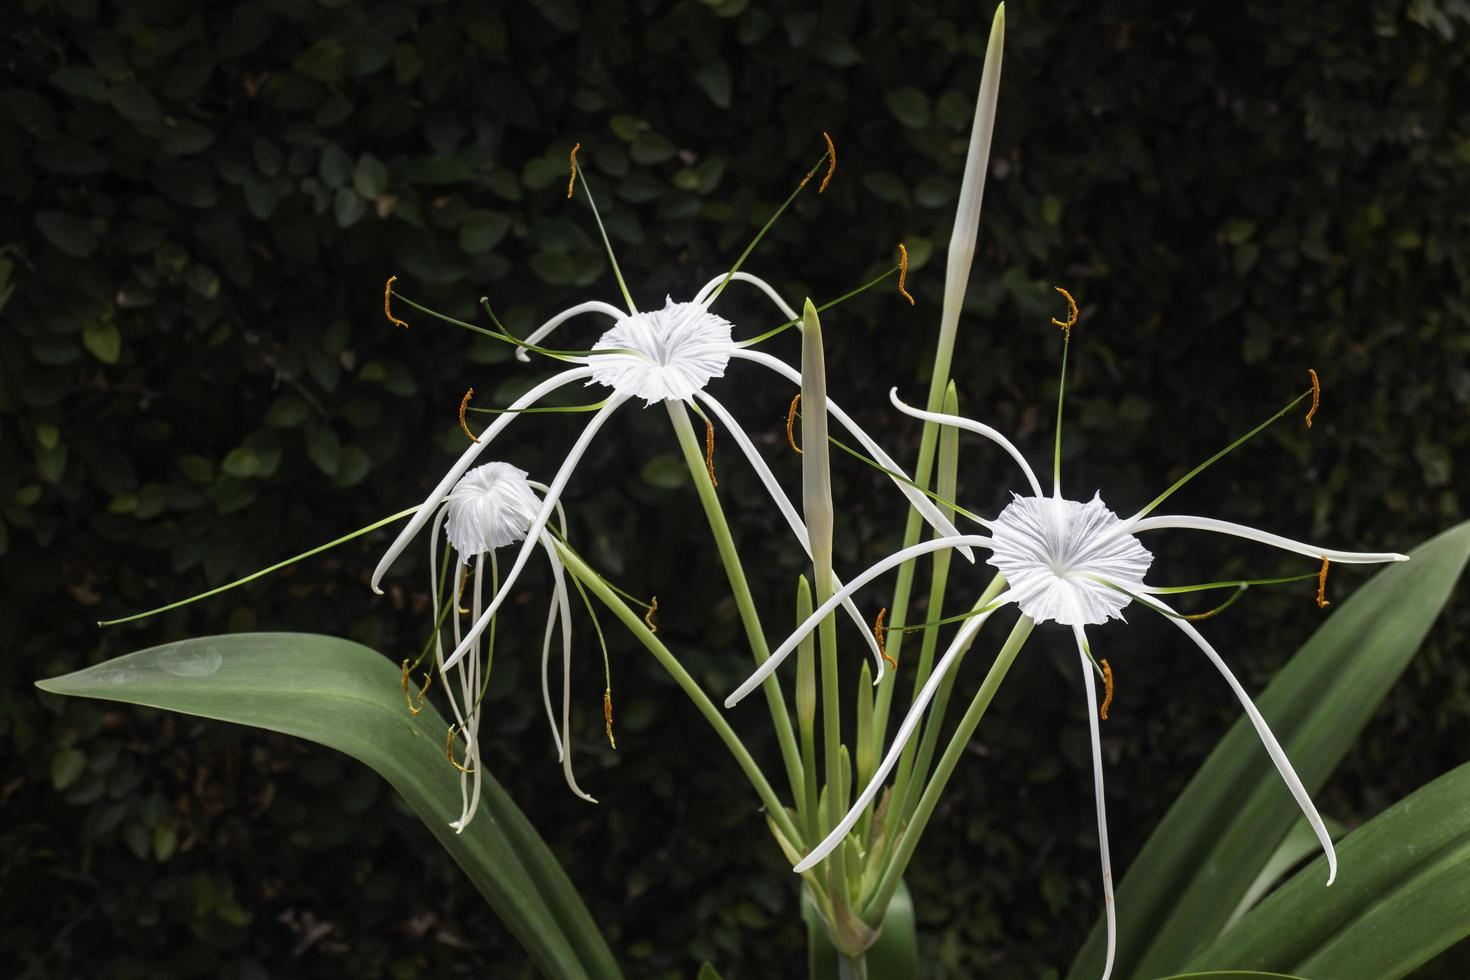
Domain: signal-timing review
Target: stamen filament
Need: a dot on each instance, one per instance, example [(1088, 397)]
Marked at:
[(767, 227), (1056, 464), (903, 271), (776, 331), (538, 409), (1316, 396), (265, 571), (464, 404), (895, 475), (388, 304), (1322, 602), (1126, 526), (791, 423), (607, 243)]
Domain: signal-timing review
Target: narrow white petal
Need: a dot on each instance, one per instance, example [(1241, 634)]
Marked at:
[(559, 574), (557, 597), (1264, 537), (464, 462), (920, 503), (970, 425), (593, 306), (825, 609), (1102, 809), (761, 284), (539, 524), (905, 732), (793, 521), (1273, 747)]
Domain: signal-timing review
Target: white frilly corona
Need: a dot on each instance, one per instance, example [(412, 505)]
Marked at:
[(1077, 564), (491, 507), (1056, 554), (665, 355)]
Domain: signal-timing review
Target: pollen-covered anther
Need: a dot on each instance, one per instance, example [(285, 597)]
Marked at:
[(414, 709), (879, 632), (1316, 396), (449, 751), (903, 272), (607, 717), (831, 163), (459, 599), (1107, 672), (648, 616), (388, 303), (1322, 600), (572, 178), (791, 424), (1071, 313), (464, 406), (709, 451)]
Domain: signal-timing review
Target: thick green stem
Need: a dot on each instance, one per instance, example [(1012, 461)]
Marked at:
[(904, 851), (740, 589), (635, 624), (806, 713), (852, 967), (832, 740)]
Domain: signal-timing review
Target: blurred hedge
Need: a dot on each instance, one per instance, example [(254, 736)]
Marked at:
[(202, 203)]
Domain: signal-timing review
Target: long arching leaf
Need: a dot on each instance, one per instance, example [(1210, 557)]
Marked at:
[(347, 697)]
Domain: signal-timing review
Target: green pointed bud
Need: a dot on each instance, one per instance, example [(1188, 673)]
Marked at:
[(816, 472), (867, 752)]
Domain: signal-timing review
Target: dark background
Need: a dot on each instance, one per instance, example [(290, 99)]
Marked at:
[(201, 203)]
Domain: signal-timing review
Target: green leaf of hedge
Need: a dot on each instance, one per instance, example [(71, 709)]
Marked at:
[(347, 697), (1220, 833)]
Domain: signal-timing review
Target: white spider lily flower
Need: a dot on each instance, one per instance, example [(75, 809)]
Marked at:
[(667, 355), (1075, 563), (490, 507)]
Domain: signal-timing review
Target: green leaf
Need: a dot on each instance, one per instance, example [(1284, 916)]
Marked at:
[(66, 766), (1220, 834), (1402, 902), (75, 236), (909, 106), (347, 697), (369, 177)]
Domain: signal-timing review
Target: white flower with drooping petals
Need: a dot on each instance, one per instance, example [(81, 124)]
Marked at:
[(1077, 564), (491, 507), (671, 354)]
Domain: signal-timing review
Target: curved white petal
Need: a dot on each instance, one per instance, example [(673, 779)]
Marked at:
[(783, 504), (1263, 537), (1102, 809), (539, 524), (464, 462), (592, 306), (920, 503), (825, 609), (558, 573), (765, 287), (905, 732), (970, 425), (1273, 747), (557, 598)]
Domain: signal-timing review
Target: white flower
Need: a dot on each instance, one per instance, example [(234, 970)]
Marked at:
[(1074, 563), (490, 507), (671, 356)]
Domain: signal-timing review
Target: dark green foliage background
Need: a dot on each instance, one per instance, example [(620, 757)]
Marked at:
[(201, 203)]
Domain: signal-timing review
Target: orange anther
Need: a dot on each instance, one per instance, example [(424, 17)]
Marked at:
[(572, 180), (1071, 313), (709, 451), (1107, 691), (1322, 601), (903, 271), (791, 424), (831, 163), (607, 717), (464, 406), (1316, 396), (388, 303), (648, 616), (878, 631)]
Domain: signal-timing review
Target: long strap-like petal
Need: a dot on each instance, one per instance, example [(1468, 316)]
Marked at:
[(1273, 747), (1102, 808), (592, 306), (1251, 534)]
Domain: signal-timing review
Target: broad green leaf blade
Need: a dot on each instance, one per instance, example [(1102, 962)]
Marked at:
[(895, 956), (347, 697), (1216, 839), (1299, 844), (1403, 896)]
